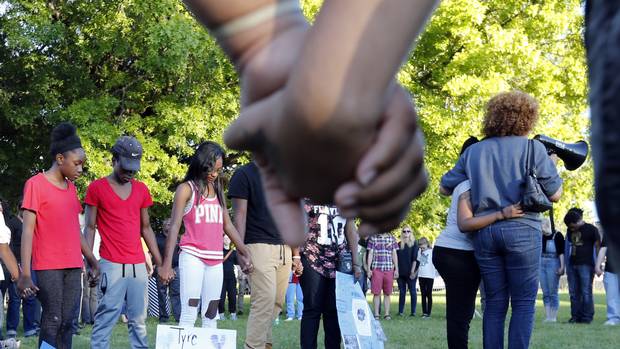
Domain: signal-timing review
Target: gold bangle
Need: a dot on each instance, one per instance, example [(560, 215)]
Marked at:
[(253, 19)]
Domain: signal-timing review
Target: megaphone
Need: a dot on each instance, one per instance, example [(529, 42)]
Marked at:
[(573, 154)]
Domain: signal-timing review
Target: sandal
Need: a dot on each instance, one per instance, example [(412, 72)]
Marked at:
[(377, 317), (387, 317)]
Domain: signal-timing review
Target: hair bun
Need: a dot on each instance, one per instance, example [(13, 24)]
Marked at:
[(63, 131)]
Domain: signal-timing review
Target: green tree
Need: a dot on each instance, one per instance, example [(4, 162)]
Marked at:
[(143, 68), (472, 50)]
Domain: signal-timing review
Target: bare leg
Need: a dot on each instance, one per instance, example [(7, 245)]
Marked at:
[(386, 305)]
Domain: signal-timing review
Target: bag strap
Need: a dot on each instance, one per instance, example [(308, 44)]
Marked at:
[(531, 156)]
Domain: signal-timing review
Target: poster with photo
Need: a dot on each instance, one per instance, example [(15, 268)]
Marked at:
[(358, 327)]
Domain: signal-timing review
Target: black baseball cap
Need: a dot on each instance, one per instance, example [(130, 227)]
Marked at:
[(129, 152)]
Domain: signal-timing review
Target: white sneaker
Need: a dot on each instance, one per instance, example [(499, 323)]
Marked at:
[(233, 316), (289, 319), (222, 317), (10, 343), (611, 323)]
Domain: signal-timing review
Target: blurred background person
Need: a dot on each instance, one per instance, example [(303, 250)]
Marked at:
[(407, 265)]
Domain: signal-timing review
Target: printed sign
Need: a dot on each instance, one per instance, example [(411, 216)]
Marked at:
[(358, 327), (179, 337)]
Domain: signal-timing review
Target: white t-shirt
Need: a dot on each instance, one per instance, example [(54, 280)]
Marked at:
[(451, 236), (5, 237), (427, 269)]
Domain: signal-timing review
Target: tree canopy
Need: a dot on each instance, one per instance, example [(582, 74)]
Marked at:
[(148, 69)]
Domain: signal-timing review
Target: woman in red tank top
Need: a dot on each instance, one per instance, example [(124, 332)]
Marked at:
[(200, 205)]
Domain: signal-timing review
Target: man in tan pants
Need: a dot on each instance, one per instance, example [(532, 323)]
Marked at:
[(271, 258)]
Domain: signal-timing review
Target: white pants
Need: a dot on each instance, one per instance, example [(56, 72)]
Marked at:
[(198, 281)]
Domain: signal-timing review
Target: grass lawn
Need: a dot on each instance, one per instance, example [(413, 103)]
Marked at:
[(415, 332)]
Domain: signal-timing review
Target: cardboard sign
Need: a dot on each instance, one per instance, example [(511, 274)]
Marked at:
[(179, 337), (358, 327)]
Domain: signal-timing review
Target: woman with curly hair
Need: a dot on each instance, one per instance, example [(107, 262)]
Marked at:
[(508, 251)]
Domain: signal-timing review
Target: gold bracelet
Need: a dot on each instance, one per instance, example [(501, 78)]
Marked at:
[(253, 19)]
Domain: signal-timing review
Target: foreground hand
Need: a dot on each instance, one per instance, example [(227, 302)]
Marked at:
[(26, 287), (375, 164), (390, 171)]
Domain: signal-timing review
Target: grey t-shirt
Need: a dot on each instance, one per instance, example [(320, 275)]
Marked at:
[(451, 236), (495, 168)]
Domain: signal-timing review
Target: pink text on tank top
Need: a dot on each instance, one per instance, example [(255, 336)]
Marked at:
[(204, 229)]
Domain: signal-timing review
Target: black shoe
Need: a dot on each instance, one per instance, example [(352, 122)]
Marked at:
[(572, 321), (240, 312), (412, 315)]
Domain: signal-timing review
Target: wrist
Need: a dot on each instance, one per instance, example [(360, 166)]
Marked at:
[(499, 215)]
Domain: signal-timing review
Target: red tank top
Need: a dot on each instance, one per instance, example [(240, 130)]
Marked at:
[(204, 228)]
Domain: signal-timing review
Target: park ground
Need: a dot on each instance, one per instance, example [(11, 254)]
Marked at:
[(407, 332)]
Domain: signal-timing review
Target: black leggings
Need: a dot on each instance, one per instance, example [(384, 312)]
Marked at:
[(459, 271), (426, 289), (59, 293), (229, 286)]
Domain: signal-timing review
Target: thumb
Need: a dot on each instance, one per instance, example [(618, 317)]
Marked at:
[(248, 131)]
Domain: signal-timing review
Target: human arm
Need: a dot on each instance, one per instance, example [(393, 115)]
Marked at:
[(240, 212), (598, 268), (371, 255), (182, 195), (243, 253), (24, 283), (87, 241), (227, 255), (468, 222), (90, 225), (8, 258), (395, 259), (414, 272), (298, 267), (283, 121), (149, 236), (350, 230)]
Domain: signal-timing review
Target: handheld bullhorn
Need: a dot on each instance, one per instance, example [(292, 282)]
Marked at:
[(573, 154)]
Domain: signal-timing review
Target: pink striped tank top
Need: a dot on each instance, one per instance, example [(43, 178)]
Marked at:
[(204, 228)]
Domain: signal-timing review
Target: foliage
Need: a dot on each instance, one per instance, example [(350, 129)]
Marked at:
[(472, 50), (148, 69), (143, 68)]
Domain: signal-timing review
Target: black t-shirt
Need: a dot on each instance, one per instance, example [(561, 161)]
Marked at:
[(229, 264), (583, 241), (558, 240), (609, 266), (259, 226), (161, 244), (15, 225)]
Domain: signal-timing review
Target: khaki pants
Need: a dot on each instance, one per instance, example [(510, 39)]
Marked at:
[(268, 284)]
